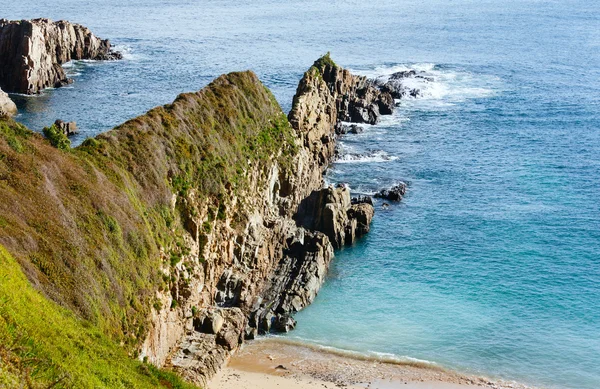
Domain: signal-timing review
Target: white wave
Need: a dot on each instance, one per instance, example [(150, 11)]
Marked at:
[(368, 355), (435, 83), (376, 156), (126, 51)]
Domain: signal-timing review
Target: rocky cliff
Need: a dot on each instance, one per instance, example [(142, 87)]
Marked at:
[(7, 106), (32, 52), (199, 224)]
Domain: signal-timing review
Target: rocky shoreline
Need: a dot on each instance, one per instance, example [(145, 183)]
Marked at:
[(308, 223), (32, 53), (217, 200)]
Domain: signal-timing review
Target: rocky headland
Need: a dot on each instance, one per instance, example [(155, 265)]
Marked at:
[(32, 53), (193, 227)]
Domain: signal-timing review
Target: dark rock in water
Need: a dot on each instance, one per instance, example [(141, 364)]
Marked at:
[(32, 52), (361, 216), (403, 74), (386, 103), (395, 86), (362, 200), (68, 128), (396, 89), (343, 129), (354, 129), (394, 194)]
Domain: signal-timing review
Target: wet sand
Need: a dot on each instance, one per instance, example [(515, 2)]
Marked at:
[(273, 363)]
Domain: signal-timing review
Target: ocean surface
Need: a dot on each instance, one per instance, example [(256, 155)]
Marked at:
[(491, 263)]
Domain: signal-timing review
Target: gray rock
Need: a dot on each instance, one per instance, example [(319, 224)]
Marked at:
[(7, 106), (68, 128)]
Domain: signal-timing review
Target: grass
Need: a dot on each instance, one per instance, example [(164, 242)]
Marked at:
[(43, 345), (88, 226)]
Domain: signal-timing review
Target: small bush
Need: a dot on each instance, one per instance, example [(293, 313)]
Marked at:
[(57, 137)]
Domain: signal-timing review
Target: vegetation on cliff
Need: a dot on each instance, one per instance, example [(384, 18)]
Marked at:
[(96, 228)]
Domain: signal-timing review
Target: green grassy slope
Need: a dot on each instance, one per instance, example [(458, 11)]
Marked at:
[(92, 227)]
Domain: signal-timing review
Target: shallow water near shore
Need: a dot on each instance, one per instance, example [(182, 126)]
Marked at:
[(491, 263)]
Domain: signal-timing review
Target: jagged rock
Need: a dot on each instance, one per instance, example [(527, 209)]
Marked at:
[(395, 193), (348, 98), (362, 213), (395, 86), (284, 323), (327, 210), (362, 200), (403, 74), (7, 106), (32, 52), (68, 128), (201, 354), (342, 129), (295, 282)]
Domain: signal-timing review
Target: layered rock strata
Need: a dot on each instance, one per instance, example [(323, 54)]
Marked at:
[(7, 106), (32, 52), (197, 229), (306, 223)]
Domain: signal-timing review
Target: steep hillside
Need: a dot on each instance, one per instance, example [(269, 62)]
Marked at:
[(179, 233)]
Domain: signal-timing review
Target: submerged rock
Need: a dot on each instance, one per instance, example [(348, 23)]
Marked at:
[(32, 52), (7, 106)]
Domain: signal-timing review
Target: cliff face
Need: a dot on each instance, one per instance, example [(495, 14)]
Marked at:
[(7, 106), (194, 226), (32, 52)]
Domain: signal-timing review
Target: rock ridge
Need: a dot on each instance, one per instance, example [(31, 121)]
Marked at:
[(207, 220)]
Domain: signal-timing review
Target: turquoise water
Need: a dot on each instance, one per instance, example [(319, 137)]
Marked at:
[(491, 264)]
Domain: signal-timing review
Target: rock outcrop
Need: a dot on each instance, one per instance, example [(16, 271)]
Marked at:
[(331, 211), (67, 128), (395, 193), (7, 106), (198, 228), (397, 86), (32, 52)]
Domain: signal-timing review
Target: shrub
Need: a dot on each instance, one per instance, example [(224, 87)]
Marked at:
[(57, 137)]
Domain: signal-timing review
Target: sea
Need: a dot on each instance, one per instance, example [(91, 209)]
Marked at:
[(490, 265)]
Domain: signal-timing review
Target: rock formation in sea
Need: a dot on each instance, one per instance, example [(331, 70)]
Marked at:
[(7, 106), (32, 53), (395, 193), (195, 226)]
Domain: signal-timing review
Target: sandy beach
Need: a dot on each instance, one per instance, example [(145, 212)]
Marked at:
[(275, 363)]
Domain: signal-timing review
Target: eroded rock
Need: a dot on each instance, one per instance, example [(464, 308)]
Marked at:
[(68, 128), (32, 52), (7, 106)]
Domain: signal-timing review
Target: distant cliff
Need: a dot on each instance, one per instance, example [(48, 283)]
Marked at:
[(32, 52), (183, 231)]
